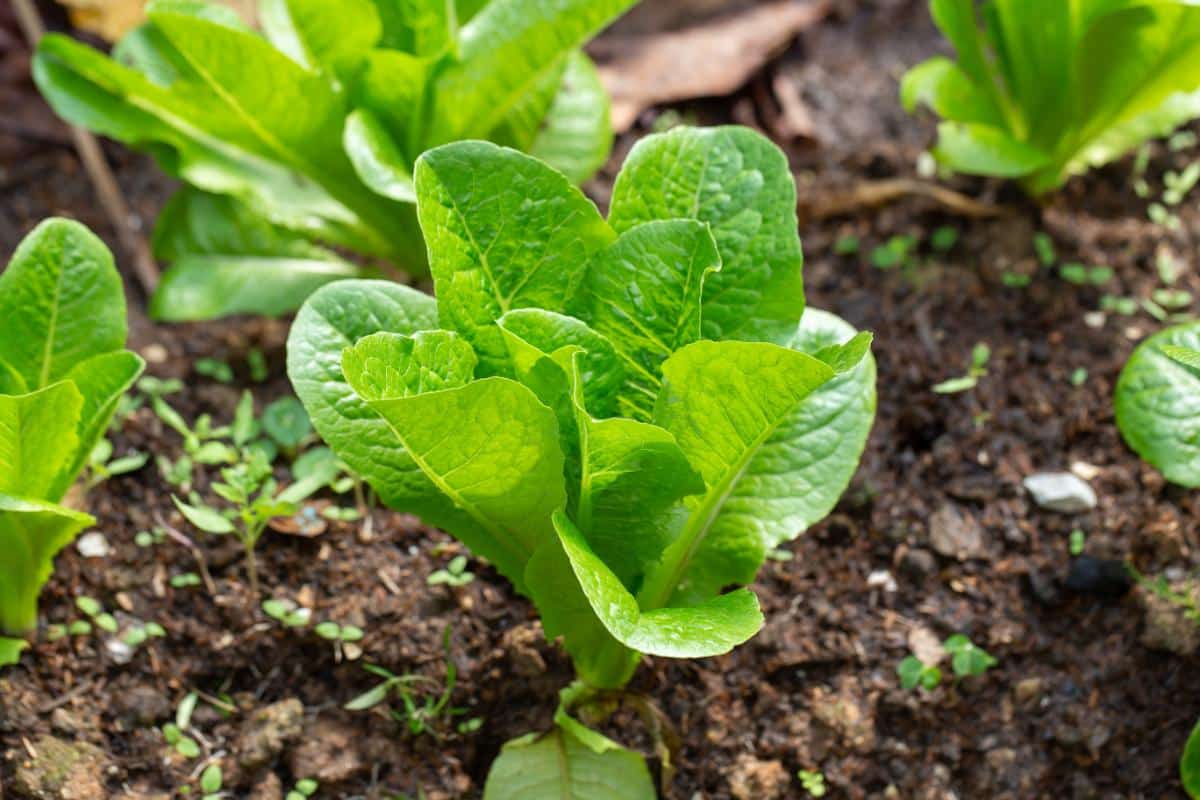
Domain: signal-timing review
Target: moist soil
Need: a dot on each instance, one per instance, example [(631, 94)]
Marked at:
[(1078, 705)]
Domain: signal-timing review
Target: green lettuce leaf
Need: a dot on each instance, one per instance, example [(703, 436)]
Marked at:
[(739, 183), (31, 534), (1157, 404)]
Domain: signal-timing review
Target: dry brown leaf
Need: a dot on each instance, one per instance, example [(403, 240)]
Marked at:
[(112, 19), (711, 59)]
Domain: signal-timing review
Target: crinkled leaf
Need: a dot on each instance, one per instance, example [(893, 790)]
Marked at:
[(392, 365), (491, 448), (504, 232), (736, 409), (31, 533), (61, 302), (1157, 405), (559, 765), (739, 183), (643, 294), (225, 259)]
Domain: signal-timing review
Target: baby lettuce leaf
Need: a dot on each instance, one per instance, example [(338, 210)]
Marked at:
[(740, 184), (504, 231), (31, 534), (225, 260), (1041, 93), (489, 446), (1158, 403), (62, 324), (310, 132)]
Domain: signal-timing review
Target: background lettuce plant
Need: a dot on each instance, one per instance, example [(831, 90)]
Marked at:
[(303, 137), (1158, 403), (1043, 91), (63, 368), (623, 415)]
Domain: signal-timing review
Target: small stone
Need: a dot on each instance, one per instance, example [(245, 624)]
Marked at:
[(142, 705), (521, 644), (1167, 625), (327, 752), (925, 645), (882, 579), (754, 779), (1104, 577), (955, 534), (1061, 491), (268, 731), (93, 545), (1027, 691), (62, 771), (155, 353), (66, 723), (918, 563)]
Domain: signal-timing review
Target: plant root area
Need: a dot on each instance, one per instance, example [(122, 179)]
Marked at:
[(1096, 686)]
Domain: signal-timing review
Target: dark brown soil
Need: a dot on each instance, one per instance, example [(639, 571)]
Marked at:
[(1077, 707)]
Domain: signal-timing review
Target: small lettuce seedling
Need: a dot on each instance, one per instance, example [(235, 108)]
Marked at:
[(623, 415), (1043, 91), (1158, 403), (63, 370), (299, 141)]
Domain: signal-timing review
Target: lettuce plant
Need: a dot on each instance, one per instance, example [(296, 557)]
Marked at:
[(1158, 413), (1043, 91), (63, 369), (623, 415), (302, 139), (1158, 403)]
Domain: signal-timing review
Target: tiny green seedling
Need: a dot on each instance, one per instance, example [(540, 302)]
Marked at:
[(185, 580), (966, 658), (214, 368), (102, 466), (304, 788), (913, 673), (846, 245), (813, 782), (287, 613), (150, 538), (345, 639), (943, 239), (1079, 376), (287, 423), (1082, 275), (898, 251), (211, 781), (455, 574), (1077, 541), (1043, 246), (256, 362), (980, 355), (92, 609), (432, 714), (175, 732)]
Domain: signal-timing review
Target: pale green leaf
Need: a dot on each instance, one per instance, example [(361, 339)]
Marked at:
[(419, 27), (492, 449), (226, 259), (318, 34), (377, 158), (575, 135), (39, 441), (206, 519), (1189, 764), (736, 409), (977, 149), (31, 533), (739, 183), (61, 302), (503, 52), (710, 628), (10, 651)]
